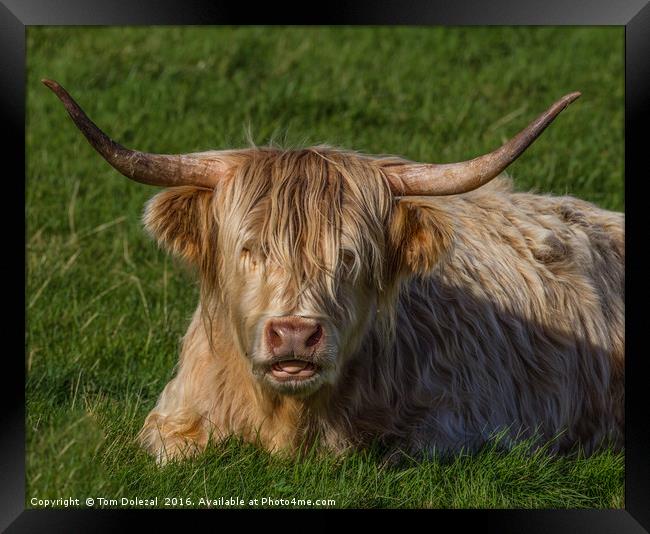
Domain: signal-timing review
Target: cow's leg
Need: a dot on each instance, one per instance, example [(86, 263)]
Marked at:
[(175, 428), (184, 418)]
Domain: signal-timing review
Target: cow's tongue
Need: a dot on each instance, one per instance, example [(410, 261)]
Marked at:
[(293, 368)]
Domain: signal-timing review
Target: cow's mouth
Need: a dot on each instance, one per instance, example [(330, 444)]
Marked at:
[(294, 374), (293, 370)]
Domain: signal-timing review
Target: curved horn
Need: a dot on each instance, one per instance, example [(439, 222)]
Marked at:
[(200, 169), (433, 179)]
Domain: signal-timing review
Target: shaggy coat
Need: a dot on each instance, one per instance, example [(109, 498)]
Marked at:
[(447, 318)]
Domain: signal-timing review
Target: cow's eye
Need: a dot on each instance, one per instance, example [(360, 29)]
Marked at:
[(348, 261), (247, 258)]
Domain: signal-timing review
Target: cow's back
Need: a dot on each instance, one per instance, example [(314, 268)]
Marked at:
[(522, 326)]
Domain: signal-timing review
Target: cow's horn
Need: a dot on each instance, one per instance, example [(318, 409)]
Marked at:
[(433, 179), (200, 169)]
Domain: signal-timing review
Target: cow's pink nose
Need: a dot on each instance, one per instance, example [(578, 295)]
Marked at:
[(293, 335)]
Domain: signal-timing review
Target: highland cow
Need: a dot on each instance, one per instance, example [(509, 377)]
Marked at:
[(348, 299)]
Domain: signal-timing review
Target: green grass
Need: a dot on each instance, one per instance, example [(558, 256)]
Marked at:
[(106, 308)]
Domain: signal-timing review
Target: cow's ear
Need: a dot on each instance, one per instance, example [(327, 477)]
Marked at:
[(420, 236), (180, 220)]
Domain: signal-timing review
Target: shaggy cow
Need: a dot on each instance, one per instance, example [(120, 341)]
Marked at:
[(349, 299)]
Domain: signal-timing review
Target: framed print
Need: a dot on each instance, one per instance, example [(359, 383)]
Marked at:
[(380, 261)]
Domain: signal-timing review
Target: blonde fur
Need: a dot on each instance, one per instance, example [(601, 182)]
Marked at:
[(448, 318)]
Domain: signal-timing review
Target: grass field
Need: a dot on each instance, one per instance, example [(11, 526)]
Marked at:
[(106, 308)]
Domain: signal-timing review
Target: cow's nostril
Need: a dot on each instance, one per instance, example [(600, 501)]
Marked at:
[(315, 337), (275, 338)]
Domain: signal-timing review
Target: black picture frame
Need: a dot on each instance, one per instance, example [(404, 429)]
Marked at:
[(16, 15)]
